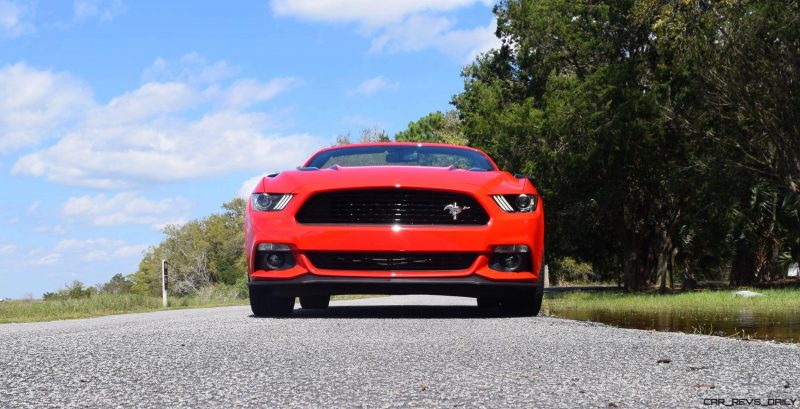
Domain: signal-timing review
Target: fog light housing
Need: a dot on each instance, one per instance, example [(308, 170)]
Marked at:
[(511, 258), (274, 256)]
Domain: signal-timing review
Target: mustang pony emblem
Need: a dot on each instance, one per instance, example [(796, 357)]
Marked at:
[(455, 209)]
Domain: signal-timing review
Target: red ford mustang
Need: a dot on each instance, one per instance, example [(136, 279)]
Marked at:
[(395, 218)]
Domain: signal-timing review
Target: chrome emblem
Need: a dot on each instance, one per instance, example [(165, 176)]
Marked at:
[(455, 209)]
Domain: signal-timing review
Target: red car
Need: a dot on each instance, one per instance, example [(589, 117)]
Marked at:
[(395, 218)]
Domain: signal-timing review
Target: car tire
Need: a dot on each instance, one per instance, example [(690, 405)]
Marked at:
[(525, 305), (265, 304), (486, 302), (315, 301)]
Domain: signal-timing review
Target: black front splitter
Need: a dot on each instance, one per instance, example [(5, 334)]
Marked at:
[(470, 286)]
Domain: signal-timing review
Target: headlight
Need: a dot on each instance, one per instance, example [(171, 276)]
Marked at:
[(269, 202), (521, 203)]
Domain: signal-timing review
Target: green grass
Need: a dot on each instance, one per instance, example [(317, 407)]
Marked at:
[(103, 304), (110, 304), (708, 301)]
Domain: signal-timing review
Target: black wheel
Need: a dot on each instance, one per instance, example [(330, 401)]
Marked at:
[(315, 301), (265, 304), (485, 302), (527, 304)]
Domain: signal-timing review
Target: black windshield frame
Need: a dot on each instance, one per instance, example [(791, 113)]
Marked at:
[(436, 157)]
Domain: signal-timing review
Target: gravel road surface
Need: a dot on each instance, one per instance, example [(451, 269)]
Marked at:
[(401, 351)]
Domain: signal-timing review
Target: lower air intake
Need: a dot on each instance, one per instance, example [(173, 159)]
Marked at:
[(393, 261)]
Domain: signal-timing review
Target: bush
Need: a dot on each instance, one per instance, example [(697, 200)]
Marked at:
[(74, 290), (570, 270)]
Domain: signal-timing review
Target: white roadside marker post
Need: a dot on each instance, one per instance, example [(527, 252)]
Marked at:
[(164, 276), (546, 276)]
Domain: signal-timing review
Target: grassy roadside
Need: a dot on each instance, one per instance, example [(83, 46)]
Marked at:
[(111, 304), (773, 316), (707, 301)]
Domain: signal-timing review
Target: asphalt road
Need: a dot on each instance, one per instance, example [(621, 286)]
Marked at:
[(429, 352)]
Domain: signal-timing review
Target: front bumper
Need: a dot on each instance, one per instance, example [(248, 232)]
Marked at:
[(470, 286), (502, 229)]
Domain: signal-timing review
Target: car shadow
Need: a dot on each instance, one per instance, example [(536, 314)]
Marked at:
[(397, 312)]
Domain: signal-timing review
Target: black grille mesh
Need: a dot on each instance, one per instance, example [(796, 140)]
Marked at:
[(391, 261), (390, 206)]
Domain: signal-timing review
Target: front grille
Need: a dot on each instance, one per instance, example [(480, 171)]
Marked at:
[(391, 206), (391, 261)]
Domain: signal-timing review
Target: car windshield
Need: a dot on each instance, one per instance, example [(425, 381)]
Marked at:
[(403, 155)]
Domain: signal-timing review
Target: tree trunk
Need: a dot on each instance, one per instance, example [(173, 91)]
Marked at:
[(743, 269), (632, 271), (672, 267)]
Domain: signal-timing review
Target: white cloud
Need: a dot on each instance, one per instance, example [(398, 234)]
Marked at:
[(369, 13), (192, 68), (47, 260), (8, 248), (18, 17), (35, 104), (428, 31), (373, 85), (126, 208), (409, 25), (46, 228), (143, 136), (100, 249), (12, 19), (243, 93), (104, 10), (149, 100), (33, 209)]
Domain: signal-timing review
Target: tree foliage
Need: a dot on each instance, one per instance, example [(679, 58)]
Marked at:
[(200, 253), (435, 127)]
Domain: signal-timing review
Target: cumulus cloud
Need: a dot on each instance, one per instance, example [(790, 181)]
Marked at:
[(126, 208), (36, 104), (373, 85), (153, 134), (409, 25)]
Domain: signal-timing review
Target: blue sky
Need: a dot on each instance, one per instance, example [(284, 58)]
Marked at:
[(119, 117)]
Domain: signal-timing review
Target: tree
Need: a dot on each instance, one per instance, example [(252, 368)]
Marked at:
[(434, 127), (368, 135), (201, 253), (118, 284)]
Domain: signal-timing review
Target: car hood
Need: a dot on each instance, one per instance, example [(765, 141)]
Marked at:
[(420, 177)]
